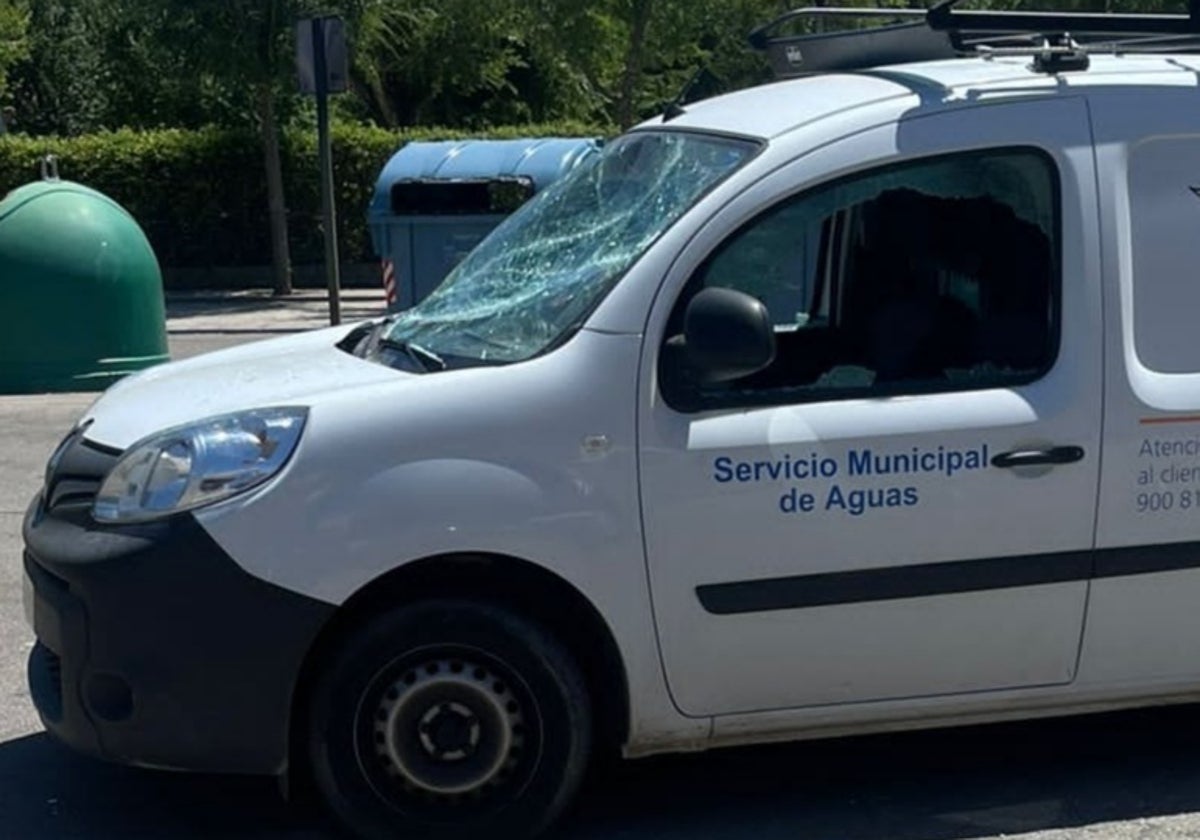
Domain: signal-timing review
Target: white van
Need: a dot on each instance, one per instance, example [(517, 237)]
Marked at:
[(848, 403)]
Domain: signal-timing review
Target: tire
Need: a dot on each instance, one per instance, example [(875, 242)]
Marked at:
[(449, 718)]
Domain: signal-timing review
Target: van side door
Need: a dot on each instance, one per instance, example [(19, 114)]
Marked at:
[(1144, 625)]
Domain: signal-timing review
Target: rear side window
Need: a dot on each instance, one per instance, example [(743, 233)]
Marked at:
[(935, 275), (1165, 238)]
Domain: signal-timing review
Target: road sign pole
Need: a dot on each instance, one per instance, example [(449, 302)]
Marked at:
[(325, 150)]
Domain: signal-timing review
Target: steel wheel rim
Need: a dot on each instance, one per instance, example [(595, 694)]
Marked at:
[(467, 693)]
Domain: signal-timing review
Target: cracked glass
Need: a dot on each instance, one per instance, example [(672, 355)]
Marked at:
[(534, 281)]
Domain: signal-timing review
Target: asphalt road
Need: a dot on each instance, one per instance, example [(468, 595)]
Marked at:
[(1113, 777)]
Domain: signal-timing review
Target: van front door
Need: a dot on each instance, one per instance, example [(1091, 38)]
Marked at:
[(903, 503)]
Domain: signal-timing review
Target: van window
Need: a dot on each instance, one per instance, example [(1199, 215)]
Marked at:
[(1165, 242), (934, 275)]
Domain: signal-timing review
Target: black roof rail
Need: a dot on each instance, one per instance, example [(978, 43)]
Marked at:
[(943, 18), (850, 49), (1056, 40)]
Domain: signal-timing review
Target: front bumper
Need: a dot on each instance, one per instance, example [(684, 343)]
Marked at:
[(155, 648)]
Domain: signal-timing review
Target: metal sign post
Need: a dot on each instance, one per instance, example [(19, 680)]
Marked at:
[(322, 63)]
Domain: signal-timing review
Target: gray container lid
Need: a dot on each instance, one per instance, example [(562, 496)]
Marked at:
[(542, 161)]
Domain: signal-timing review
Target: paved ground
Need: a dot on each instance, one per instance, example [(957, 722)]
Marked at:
[(1117, 777)]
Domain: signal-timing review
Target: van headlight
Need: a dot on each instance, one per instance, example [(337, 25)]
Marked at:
[(199, 464)]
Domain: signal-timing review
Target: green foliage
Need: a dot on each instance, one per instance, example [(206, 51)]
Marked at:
[(14, 22), (93, 67), (450, 62), (55, 88), (201, 194), (103, 64)]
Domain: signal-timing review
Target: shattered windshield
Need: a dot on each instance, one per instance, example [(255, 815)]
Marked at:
[(537, 277)]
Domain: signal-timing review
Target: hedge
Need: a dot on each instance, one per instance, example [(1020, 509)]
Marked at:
[(201, 195)]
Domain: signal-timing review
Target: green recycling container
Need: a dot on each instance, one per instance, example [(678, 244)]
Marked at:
[(80, 289)]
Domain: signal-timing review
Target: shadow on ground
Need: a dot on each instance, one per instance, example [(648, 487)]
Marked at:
[(950, 785), (946, 785), (46, 791)]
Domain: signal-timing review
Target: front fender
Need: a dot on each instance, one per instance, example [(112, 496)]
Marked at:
[(535, 461)]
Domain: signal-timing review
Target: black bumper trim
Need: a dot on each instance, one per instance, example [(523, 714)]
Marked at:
[(210, 654)]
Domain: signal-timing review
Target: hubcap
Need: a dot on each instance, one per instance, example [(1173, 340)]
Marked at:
[(449, 732), (448, 728)]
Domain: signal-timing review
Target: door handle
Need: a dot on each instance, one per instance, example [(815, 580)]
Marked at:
[(1038, 457)]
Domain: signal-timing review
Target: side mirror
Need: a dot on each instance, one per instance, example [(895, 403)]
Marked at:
[(727, 335)]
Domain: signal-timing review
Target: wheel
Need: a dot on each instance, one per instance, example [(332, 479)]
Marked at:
[(446, 718)]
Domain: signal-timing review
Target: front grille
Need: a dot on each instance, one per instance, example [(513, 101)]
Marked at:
[(72, 491), (76, 475)]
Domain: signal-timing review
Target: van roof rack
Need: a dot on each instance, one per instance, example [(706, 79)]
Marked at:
[(1056, 41)]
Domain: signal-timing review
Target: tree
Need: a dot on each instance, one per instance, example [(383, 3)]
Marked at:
[(378, 31), (56, 86), (244, 50), (242, 47), (622, 60), (76, 66), (449, 62), (14, 22), (104, 64)]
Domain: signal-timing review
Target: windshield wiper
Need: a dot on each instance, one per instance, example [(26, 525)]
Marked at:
[(423, 356)]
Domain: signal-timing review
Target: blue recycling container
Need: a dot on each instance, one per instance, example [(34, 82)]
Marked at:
[(434, 202)]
